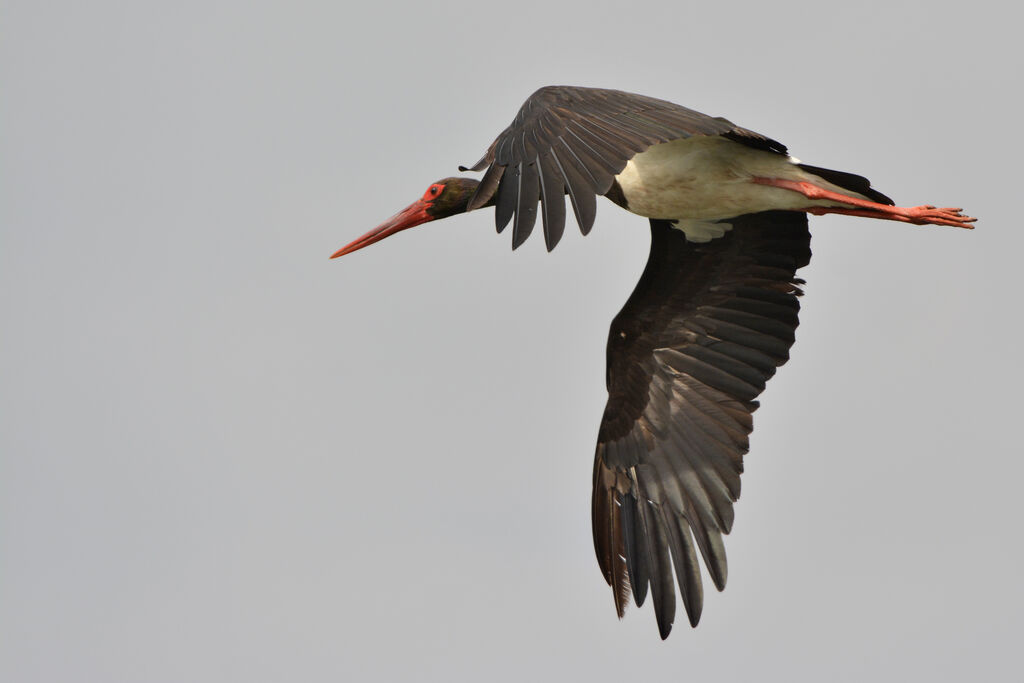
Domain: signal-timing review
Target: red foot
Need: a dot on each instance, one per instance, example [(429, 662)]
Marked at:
[(919, 215)]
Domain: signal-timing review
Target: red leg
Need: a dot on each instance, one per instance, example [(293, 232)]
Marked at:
[(919, 215)]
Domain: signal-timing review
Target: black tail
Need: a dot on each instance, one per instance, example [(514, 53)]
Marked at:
[(849, 181)]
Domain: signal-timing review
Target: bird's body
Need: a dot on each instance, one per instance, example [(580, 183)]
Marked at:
[(711, 319), (699, 182)]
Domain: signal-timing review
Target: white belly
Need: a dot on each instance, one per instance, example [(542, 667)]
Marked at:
[(697, 181)]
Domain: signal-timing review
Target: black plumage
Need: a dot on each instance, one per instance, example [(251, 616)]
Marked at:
[(575, 141), (705, 328)]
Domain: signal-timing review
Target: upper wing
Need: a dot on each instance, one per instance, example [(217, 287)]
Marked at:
[(576, 140), (706, 327)]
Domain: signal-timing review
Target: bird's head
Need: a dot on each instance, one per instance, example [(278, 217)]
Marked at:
[(445, 197)]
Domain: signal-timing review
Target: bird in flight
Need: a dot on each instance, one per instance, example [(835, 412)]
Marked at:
[(712, 317)]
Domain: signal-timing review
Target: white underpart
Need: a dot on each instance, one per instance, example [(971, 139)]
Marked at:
[(696, 182), (697, 230)]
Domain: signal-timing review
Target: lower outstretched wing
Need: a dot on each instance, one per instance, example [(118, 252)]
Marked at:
[(705, 328)]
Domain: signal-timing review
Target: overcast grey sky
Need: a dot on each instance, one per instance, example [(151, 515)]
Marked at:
[(225, 458)]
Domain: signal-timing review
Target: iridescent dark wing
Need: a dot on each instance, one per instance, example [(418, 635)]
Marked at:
[(705, 328), (568, 140)]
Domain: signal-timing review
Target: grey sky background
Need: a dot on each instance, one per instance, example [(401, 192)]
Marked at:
[(225, 458)]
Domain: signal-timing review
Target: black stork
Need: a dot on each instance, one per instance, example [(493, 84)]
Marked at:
[(711, 319)]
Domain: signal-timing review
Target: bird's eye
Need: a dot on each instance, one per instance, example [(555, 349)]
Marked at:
[(433, 191)]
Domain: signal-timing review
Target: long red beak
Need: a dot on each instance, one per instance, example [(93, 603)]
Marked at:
[(409, 217)]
